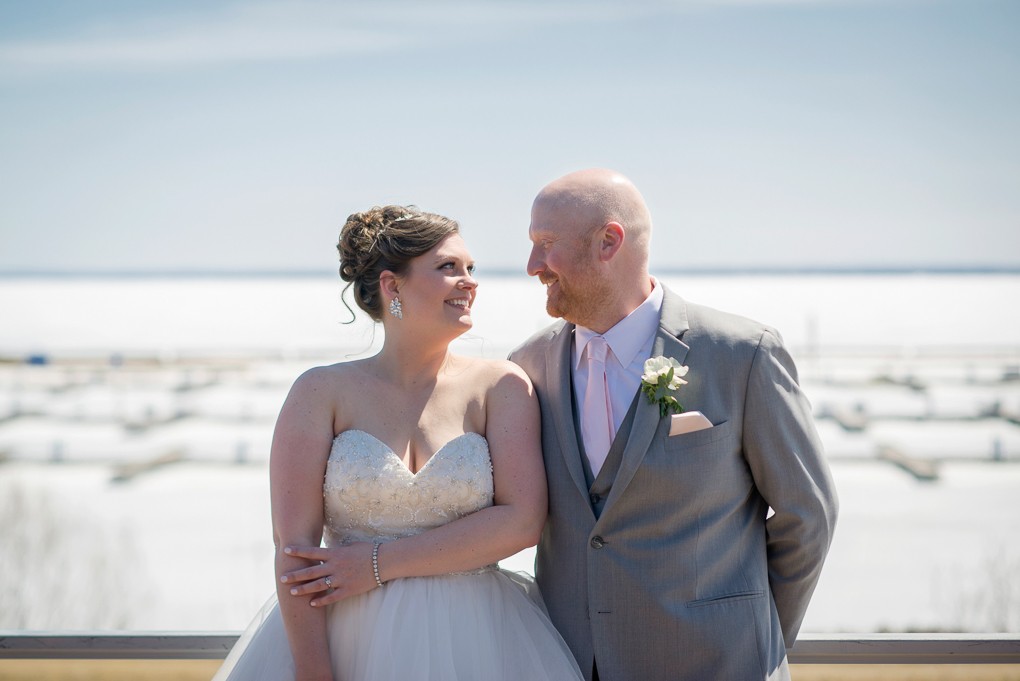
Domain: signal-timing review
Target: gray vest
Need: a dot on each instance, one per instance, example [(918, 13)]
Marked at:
[(599, 487)]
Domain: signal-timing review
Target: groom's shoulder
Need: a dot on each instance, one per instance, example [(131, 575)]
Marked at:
[(726, 327), (538, 343), (542, 337)]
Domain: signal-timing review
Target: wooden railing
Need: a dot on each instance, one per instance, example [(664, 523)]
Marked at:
[(906, 649), (809, 649)]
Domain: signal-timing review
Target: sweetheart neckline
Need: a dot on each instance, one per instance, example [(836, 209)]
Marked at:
[(389, 450)]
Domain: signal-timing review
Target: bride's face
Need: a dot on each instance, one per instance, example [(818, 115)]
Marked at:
[(439, 287)]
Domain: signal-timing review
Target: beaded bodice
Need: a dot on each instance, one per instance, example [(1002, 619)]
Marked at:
[(369, 494)]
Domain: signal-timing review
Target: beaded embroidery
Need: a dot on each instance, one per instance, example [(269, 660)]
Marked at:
[(370, 495)]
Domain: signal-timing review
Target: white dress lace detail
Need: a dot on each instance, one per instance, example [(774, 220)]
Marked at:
[(370, 495), (484, 624)]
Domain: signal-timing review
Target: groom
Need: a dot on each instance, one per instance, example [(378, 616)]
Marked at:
[(661, 558)]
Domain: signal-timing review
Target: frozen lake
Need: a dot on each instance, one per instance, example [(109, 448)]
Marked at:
[(190, 547), (194, 370)]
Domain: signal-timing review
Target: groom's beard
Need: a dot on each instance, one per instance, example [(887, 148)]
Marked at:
[(579, 302)]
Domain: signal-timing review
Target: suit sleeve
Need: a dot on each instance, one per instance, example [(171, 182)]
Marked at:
[(785, 456)]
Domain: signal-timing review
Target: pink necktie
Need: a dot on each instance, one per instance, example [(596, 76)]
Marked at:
[(597, 411)]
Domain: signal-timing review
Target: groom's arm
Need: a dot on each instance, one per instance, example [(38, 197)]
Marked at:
[(786, 459)]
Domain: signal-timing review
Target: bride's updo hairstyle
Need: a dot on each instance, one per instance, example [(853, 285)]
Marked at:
[(385, 238)]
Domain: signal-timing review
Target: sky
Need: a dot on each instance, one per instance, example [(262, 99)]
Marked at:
[(200, 135)]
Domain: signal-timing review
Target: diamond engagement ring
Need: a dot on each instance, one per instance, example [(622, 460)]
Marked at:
[(329, 582)]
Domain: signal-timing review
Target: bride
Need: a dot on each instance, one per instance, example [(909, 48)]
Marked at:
[(419, 470)]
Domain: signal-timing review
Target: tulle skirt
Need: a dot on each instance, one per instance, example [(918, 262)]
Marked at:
[(471, 627)]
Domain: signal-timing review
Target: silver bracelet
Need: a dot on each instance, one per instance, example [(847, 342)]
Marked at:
[(375, 563)]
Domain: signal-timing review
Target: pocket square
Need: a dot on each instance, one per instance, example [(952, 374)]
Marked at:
[(687, 422)]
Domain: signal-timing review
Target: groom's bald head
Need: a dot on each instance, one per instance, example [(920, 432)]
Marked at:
[(590, 232), (596, 197)]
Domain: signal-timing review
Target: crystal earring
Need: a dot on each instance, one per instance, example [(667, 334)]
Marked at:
[(396, 309)]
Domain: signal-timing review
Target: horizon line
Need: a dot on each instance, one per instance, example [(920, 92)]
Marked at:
[(310, 273)]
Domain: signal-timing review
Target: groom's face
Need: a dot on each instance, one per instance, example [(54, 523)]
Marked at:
[(562, 258)]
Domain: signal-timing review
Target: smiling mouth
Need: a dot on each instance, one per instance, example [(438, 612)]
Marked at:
[(460, 303)]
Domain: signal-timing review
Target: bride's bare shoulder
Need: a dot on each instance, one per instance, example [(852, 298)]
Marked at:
[(497, 374), (335, 379)]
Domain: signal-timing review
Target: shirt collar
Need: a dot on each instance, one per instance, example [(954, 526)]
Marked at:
[(630, 334)]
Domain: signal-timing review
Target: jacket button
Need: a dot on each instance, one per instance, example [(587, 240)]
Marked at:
[(597, 542), (595, 498)]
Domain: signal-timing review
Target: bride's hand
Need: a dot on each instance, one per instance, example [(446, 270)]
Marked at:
[(348, 570)]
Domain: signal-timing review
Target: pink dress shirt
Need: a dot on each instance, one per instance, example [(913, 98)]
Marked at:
[(630, 344)]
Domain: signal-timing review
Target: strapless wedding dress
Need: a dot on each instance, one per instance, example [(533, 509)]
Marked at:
[(483, 625)]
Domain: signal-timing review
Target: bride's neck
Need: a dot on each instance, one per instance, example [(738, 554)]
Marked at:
[(409, 363)]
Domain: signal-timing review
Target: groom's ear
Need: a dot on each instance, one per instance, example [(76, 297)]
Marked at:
[(613, 235)]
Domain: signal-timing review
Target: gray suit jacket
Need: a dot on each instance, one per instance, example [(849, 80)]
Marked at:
[(682, 576)]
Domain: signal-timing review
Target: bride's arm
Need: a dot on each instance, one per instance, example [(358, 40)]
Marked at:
[(514, 521), (301, 444)]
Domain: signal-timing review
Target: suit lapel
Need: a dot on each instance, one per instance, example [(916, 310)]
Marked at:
[(672, 324), (560, 388)]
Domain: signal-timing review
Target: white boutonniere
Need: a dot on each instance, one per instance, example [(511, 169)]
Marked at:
[(662, 378)]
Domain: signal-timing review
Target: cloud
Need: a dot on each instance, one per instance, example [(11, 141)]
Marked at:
[(172, 42), (275, 31), (315, 29)]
